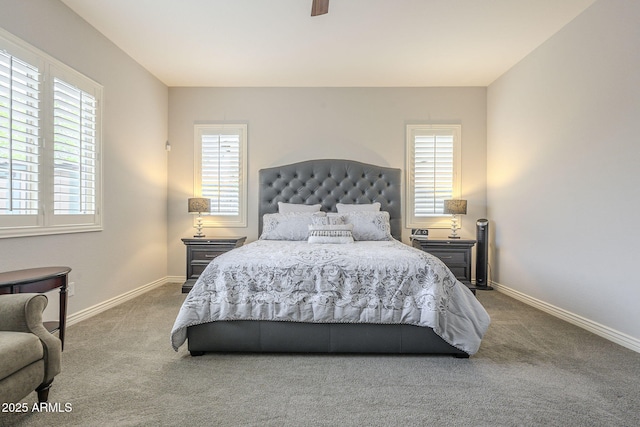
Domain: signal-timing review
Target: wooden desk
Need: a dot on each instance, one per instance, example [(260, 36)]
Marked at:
[(40, 280)]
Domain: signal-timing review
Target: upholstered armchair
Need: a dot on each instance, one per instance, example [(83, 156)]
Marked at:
[(29, 354)]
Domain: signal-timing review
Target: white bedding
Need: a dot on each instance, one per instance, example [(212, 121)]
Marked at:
[(363, 282)]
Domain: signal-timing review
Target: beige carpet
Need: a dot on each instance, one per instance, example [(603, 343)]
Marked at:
[(532, 369)]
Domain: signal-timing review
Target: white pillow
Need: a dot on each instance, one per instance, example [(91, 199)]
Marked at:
[(369, 207), (287, 226), (297, 207), (370, 225), (331, 233)]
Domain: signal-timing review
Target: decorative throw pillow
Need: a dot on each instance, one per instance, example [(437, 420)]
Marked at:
[(370, 225), (287, 226), (330, 219), (369, 207), (297, 207), (331, 233)]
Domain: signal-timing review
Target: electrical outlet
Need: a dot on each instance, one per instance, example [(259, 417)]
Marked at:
[(71, 289)]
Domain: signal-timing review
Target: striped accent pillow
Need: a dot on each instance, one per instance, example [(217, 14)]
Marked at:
[(331, 233)]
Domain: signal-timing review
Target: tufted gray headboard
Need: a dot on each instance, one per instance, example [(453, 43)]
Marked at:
[(329, 182)]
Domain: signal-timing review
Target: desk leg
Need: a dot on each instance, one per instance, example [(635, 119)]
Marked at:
[(63, 311)]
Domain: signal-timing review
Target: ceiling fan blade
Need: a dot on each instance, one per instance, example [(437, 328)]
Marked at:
[(319, 7)]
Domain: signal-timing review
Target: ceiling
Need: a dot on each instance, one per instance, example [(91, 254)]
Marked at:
[(360, 43)]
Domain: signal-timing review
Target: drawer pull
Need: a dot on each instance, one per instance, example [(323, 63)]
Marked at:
[(446, 257), (210, 256)]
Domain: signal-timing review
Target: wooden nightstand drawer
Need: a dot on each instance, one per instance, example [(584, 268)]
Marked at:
[(196, 270), (201, 254), (201, 251), (461, 273), (455, 254), (450, 257)]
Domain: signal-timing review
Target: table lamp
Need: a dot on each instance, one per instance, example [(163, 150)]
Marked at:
[(199, 205), (455, 207)]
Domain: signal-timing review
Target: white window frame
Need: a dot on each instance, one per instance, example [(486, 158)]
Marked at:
[(45, 221), (437, 219), (213, 220)]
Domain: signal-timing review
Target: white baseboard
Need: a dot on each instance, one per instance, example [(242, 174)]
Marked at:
[(591, 326), (105, 305)]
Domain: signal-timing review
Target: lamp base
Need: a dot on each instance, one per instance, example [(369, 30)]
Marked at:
[(199, 227), (199, 235), (454, 228)]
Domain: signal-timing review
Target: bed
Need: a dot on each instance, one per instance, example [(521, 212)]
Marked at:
[(329, 275)]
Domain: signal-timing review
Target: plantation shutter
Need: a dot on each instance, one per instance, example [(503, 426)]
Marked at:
[(433, 171), (49, 144), (221, 171), (433, 165), (19, 136), (74, 151)]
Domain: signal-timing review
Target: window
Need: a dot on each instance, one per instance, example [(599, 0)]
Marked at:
[(221, 172), (74, 150), (49, 144), (433, 173)]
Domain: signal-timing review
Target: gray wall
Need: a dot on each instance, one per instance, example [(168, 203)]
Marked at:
[(292, 124), (563, 170), (131, 251)]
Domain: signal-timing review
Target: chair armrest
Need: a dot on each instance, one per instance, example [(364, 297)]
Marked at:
[(23, 313), (19, 312)]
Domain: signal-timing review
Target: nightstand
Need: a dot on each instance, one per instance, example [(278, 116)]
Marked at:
[(201, 251), (455, 253)]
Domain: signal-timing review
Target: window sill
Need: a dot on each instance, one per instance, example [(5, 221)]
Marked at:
[(6, 233), (435, 222)]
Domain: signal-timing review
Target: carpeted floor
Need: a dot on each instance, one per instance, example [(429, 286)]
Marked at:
[(532, 369)]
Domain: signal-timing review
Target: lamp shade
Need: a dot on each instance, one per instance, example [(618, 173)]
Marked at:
[(199, 204), (455, 207)]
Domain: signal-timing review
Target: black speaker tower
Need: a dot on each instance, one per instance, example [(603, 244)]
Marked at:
[(482, 254)]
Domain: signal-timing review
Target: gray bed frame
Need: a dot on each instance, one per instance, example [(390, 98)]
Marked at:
[(326, 182)]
